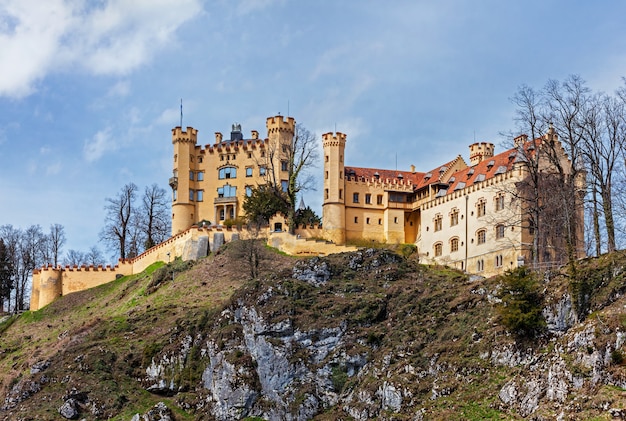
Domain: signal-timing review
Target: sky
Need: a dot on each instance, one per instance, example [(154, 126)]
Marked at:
[(90, 90)]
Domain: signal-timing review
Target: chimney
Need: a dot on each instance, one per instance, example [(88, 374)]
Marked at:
[(255, 134), (218, 137), (413, 169)]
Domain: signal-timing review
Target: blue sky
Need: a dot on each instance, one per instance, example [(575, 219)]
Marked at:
[(89, 90)]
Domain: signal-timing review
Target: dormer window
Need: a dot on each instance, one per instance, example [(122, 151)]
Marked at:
[(376, 175)]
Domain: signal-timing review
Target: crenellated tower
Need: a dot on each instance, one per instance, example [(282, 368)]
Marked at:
[(280, 133), (334, 208), (183, 209)]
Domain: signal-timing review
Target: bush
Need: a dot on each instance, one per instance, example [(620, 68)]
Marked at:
[(522, 302), (407, 249)]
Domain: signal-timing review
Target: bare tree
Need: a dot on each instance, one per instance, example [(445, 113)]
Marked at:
[(56, 241), (94, 256), (155, 220), (75, 258), (118, 227), (566, 104), (6, 274)]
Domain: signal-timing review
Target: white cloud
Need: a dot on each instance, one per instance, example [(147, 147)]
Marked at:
[(120, 89), (113, 37), (97, 146), (169, 117), (250, 6)]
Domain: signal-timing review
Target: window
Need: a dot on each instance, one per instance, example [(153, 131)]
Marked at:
[(499, 261), (284, 165), (200, 176), (340, 193), (191, 195), (262, 171), (285, 148), (438, 249), (326, 158), (200, 159), (249, 155), (221, 214), (368, 199), (379, 199), (500, 231), (395, 219), (227, 191), (284, 185), (438, 224), (199, 195), (221, 159), (174, 195), (481, 236), (367, 221), (248, 191), (232, 213), (326, 175), (380, 221), (356, 219), (355, 198), (227, 172), (248, 171), (326, 194), (191, 175), (262, 154), (481, 207), (500, 202), (480, 265), (340, 174), (454, 217), (454, 244), (531, 227)]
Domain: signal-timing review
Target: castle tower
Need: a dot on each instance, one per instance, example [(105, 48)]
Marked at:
[(280, 133), (183, 209), (480, 151), (334, 208)]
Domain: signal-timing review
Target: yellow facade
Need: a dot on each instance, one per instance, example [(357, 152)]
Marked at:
[(464, 216), (209, 183)]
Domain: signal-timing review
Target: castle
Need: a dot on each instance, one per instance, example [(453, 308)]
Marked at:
[(467, 216), (462, 215)]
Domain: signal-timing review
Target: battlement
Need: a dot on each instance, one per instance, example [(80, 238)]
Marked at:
[(480, 151), (393, 184), (333, 139), (279, 124), (179, 135)]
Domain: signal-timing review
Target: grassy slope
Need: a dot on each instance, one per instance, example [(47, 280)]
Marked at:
[(99, 340), (407, 318)]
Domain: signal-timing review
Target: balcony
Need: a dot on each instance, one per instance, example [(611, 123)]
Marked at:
[(225, 200), (174, 183)]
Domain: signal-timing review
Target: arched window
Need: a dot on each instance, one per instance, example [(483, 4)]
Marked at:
[(499, 231), (438, 249), (227, 172), (480, 265), (481, 236), (454, 244)]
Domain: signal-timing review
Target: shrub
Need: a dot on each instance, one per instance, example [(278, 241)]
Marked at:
[(522, 302), (407, 249)]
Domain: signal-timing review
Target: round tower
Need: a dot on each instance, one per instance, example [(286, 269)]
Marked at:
[(183, 209), (334, 208)]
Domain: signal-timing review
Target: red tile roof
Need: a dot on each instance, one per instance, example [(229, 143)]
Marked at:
[(484, 170)]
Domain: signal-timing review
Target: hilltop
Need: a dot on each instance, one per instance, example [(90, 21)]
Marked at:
[(361, 335)]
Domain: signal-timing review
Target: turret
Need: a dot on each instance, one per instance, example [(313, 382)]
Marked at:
[(480, 151), (280, 133), (183, 209), (333, 208)]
